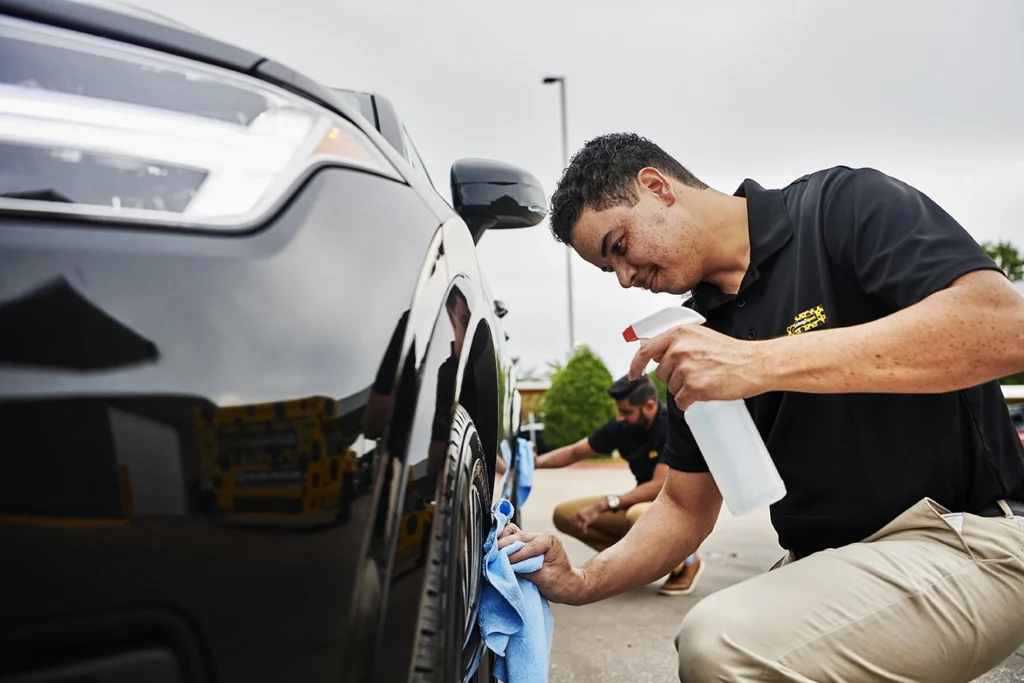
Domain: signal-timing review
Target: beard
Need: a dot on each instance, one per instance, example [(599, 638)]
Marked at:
[(642, 424)]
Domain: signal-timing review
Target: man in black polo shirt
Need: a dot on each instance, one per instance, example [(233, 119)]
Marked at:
[(638, 432), (865, 329)]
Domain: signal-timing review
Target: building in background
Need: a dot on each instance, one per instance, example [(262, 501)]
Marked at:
[(531, 425)]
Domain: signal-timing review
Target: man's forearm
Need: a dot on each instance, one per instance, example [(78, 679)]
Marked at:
[(661, 538), (644, 493), (956, 338), (560, 457)]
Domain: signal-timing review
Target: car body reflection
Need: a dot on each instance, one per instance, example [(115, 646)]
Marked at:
[(293, 462)]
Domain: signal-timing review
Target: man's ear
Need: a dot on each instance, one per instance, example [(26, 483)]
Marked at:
[(657, 183)]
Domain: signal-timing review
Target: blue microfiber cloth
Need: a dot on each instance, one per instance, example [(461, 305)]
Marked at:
[(524, 464), (515, 619)]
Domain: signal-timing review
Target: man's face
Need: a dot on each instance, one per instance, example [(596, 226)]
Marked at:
[(651, 245), (636, 417)]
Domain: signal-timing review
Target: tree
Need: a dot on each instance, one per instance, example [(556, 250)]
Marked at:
[(1007, 257), (661, 387), (577, 402)]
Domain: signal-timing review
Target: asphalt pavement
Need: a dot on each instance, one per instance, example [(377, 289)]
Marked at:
[(630, 637)]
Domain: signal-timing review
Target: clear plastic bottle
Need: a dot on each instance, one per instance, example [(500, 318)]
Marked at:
[(724, 431)]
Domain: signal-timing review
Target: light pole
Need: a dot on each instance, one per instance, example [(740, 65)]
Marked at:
[(560, 80)]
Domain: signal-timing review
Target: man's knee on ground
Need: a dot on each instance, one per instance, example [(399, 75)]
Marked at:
[(563, 517)]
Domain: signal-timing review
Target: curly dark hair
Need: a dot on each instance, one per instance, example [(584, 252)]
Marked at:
[(603, 175)]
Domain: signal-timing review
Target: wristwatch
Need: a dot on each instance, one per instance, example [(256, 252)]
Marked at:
[(613, 503)]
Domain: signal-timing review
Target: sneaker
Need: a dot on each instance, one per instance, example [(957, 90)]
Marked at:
[(683, 579)]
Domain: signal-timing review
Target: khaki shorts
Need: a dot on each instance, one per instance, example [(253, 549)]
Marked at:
[(605, 531), (930, 597)]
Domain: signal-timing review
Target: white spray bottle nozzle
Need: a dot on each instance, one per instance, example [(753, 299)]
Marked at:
[(659, 322)]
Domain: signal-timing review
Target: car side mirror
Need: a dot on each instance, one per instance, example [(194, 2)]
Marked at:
[(493, 195)]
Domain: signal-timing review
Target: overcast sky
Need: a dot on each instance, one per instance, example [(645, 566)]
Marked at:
[(928, 91)]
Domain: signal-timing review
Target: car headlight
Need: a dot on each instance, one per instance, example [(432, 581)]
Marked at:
[(98, 129)]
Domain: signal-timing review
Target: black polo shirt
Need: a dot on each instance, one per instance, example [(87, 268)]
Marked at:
[(643, 449), (837, 248)]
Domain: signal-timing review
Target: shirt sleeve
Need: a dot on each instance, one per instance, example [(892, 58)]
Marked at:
[(681, 451), (894, 240), (605, 438), (660, 437)]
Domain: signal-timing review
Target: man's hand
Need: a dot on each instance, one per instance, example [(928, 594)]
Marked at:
[(699, 364), (680, 519), (557, 579), (587, 515)]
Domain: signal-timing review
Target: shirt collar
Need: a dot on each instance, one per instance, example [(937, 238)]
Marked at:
[(768, 229)]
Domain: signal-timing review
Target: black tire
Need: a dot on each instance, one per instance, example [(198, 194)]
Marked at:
[(448, 643)]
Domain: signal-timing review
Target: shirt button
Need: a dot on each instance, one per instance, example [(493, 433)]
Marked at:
[(751, 334), (740, 303)]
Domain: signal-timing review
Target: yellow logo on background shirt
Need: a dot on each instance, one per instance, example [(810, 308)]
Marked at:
[(808, 320), (652, 455)]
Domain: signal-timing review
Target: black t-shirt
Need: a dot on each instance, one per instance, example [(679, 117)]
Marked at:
[(838, 248), (643, 449)]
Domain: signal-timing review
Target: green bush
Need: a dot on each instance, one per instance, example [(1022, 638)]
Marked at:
[(1007, 257), (661, 387), (577, 402)]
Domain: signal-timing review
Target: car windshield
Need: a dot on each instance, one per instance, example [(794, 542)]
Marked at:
[(361, 102)]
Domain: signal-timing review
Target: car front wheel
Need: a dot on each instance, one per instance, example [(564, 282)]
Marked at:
[(449, 645)]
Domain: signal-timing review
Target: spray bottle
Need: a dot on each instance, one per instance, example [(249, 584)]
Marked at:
[(724, 431)]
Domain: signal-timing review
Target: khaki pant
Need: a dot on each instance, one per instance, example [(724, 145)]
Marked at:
[(605, 531), (920, 601)]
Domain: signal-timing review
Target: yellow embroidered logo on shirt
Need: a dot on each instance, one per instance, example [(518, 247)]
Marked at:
[(652, 455), (808, 320)]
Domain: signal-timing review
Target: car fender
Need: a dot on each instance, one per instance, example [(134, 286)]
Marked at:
[(446, 354)]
